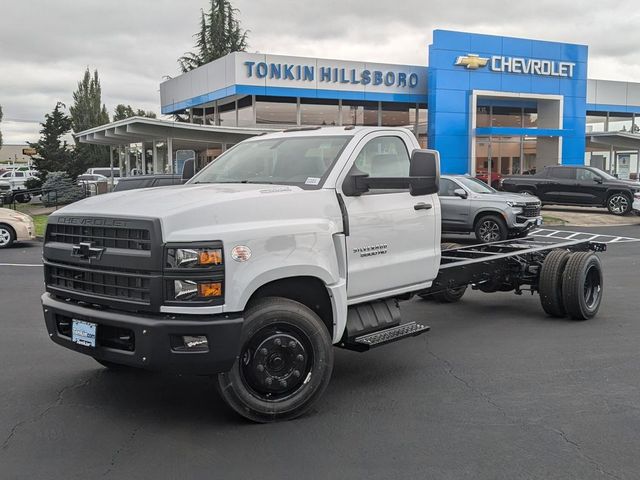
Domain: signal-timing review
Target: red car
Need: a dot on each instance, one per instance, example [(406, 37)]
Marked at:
[(495, 178)]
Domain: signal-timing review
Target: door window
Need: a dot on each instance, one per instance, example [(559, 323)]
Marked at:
[(447, 187), (19, 174), (563, 173), (384, 157), (585, 175)]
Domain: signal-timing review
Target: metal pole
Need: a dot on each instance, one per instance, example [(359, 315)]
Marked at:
[(144, 160), (154, 157), (111, 165), (170, 153)]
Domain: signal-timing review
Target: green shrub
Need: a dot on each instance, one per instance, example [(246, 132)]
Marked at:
[(59, 189)]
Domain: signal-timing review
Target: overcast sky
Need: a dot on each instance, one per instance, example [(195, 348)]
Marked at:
[(45, 45)]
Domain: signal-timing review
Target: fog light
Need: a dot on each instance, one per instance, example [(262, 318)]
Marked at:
[(207, 290), (195, 342)]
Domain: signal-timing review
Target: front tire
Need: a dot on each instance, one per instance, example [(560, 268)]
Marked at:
[(619, 204), (23, 197), (490, 228), (285, 362), (7, 236), (582, 285)]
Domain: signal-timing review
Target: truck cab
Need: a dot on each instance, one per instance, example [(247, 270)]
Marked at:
[(281, 235)]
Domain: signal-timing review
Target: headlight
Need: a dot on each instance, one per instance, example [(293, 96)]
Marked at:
[(21, 218), (194, 257), (516, 204)]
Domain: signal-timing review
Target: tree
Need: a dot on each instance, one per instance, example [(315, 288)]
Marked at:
[(220, 34), (123, 111), (52, 153), (87, 112), (0, 122)]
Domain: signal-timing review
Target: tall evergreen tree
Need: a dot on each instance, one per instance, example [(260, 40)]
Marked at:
[(88, 111), (220, 34), (123, 111), (52, 153)]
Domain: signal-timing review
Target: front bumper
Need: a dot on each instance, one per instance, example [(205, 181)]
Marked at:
[(522, 223), (24, 231), (154, 340)]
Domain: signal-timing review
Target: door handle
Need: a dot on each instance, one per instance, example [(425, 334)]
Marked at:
[(422, 206)]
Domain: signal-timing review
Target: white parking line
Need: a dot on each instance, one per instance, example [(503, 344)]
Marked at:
[(585, 236), (20, 264)]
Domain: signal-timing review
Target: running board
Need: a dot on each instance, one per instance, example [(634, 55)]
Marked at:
[(388, 335)]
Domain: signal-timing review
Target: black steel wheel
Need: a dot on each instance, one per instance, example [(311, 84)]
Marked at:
[(550, 282), (619, 203), (450, 295), (490, 228), (7, 236), (582, 285), (285, 362), (22, 197)]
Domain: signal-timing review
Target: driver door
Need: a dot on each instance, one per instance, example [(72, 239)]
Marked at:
[(393, 242)]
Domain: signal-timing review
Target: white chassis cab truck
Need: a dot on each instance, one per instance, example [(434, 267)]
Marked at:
[(286, 246)]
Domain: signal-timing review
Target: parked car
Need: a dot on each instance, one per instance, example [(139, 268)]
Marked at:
[(577, 185), (471, 206), (496, 178), (6, 195), (107, 172), (147, 181), (15, 227), (16, 180)]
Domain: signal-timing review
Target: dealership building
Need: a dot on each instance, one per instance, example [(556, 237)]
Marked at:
[(487, 103)]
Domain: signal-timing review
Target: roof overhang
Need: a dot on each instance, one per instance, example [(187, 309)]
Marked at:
[(617, 140), (140, 129)]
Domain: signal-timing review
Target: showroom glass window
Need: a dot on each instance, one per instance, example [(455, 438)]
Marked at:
[(319, 112), (356, 112), (227, 114), (276, 110), (245, 112)]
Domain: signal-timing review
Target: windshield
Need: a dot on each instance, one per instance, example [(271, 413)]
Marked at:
[(302, 161), (475, 185)]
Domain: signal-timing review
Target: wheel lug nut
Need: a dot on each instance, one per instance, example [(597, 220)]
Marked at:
[(296, 373), (292, 344), (283, 383), (264, 351), (268, 381), (260, 367), (277, 342), (300, 357)]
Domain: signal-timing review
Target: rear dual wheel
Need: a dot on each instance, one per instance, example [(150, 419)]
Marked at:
[(571, 284)]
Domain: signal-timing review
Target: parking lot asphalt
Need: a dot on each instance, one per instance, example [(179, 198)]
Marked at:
[(496, 390)]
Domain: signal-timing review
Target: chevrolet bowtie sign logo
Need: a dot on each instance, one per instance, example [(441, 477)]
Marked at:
[(471, 61), (526, 66)]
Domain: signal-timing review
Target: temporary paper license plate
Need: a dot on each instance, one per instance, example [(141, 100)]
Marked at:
[(538, 222), (83, 333)]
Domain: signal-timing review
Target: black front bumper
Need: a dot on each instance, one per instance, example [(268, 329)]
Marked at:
[(153, 341)]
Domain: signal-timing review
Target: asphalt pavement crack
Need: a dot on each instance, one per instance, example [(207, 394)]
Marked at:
[(522, 423), (57, 402), (116, 453)]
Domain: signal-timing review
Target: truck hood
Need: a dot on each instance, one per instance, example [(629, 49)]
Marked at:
[(190, 212), (504, 197)]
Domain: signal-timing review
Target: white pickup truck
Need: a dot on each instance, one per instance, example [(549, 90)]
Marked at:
[(287, 245)]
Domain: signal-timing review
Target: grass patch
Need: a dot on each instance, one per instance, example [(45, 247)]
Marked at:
[(549, 220), (40, 222)]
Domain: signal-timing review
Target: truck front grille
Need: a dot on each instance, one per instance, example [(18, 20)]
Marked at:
[(531, 210), (132, 287), (100, 236)]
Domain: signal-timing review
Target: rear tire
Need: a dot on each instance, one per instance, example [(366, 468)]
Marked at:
[(582, 285), (285, 362), (550, 282), (491, 228), (7, 236), (619, 203)]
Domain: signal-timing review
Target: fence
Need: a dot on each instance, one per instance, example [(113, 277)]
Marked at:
[(10, 199)]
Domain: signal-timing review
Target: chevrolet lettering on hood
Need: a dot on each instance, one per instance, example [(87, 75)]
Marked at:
[(92, 222)]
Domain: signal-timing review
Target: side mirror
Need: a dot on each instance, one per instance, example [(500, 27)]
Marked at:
[(597, 179), (424, 172), (356, 183), (460, 192), (188, 169)]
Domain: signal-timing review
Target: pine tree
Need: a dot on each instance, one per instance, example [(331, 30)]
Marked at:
[(52, 153), (220, 34), (87, 112), (123, 111)]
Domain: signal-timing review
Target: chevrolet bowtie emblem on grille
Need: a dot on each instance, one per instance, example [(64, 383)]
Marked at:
[(86, 251), (471, 61)]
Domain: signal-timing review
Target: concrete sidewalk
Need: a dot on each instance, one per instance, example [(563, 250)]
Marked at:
[(585, 217)]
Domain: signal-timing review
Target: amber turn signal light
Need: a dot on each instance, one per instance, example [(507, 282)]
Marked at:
[(207, 290)]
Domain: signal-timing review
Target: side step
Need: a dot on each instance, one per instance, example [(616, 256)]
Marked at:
[(388, 335)]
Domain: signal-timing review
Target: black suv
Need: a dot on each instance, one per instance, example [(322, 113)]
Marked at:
[(576, 185)]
